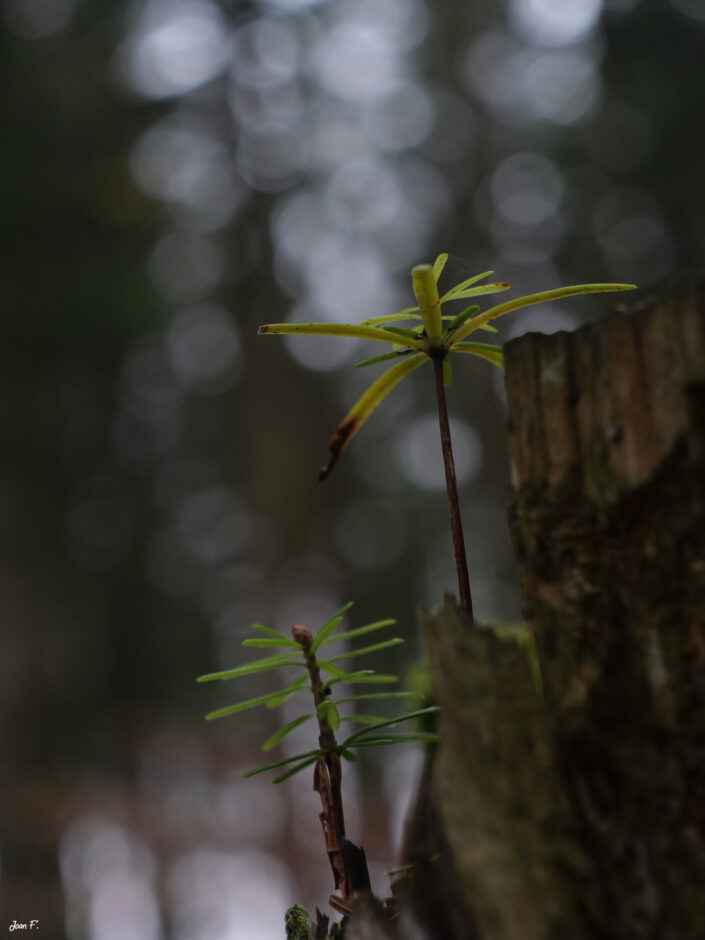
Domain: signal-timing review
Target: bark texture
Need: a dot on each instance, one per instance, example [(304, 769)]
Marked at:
[(583, 816), (608, 518)]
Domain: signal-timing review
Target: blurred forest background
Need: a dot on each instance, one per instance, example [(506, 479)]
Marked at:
[(174, 173)]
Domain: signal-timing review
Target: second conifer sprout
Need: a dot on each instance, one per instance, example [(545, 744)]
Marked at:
[(318, 676), (304, 656)]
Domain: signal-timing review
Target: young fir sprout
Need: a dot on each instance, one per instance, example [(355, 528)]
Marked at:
[(434, 337), (319, 677), (302, 654)]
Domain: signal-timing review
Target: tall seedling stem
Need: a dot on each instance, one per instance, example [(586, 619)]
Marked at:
[(426, 290), (456, 524)]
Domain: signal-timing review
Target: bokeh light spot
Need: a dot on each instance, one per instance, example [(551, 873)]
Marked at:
[(561, 86), (204, 348), (217, 895), (633, 236), (175, 46), (148, 387), (400, 120), (265, 53), (555, 22), (418, 453), (107, 873), (184, 163), (363, 195), (186, 265), (291, 6), (357, 63), (269, 157), (214, 525), (527, 188)]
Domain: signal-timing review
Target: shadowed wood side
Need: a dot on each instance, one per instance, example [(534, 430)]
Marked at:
[(608, 517)]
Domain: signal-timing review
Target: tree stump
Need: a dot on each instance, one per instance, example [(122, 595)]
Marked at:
[(583, 815)]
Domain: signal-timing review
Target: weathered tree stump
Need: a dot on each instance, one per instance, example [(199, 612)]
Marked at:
[(608, 520), (583, 815)]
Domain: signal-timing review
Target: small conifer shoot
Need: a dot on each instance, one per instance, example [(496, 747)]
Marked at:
[(430, 336), (318, 677)]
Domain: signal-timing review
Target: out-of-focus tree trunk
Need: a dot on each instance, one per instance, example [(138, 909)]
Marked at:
[(583, 816)]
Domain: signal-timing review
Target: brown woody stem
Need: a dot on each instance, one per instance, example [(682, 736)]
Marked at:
[(456, 525), (328, 774)]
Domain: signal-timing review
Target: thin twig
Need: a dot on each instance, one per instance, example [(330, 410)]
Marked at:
[(456, 524), (328, 773)]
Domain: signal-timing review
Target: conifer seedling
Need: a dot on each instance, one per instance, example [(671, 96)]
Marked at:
[(318, 677), (433, 338)]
